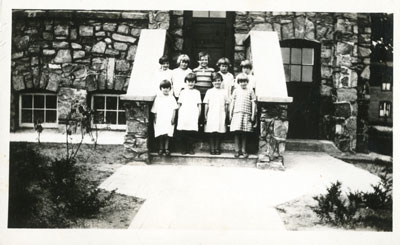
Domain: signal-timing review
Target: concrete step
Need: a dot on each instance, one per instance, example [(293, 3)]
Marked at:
[(204, 158), (311, 145)]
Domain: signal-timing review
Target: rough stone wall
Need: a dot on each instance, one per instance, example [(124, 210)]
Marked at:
[(274, 126), (345, 50), (81, 50)]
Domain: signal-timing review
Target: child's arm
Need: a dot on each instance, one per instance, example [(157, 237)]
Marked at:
[(173, 117), (155, 118), (253, 111), (199, 107), (205, 112)]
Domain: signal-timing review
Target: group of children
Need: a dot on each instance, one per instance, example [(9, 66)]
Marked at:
[(224, 101)]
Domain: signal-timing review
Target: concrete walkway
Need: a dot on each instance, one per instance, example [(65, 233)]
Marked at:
[(229, 198)]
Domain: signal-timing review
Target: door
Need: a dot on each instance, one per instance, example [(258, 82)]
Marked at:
[(209, 31), (301, 60)]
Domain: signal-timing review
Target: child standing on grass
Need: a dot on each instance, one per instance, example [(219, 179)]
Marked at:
[(215, 113), (242, 114), (189, 103), (179, 74), (228, 81), (164, 109)]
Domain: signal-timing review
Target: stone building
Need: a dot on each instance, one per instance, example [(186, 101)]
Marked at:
[(61, 57)]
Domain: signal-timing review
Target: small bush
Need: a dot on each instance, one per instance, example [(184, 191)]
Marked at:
[(368, 208)]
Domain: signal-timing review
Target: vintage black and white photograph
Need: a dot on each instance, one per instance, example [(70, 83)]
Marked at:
[(200, 120)]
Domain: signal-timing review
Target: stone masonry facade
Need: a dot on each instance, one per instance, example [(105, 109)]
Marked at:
[(76, 53), (345, 50)]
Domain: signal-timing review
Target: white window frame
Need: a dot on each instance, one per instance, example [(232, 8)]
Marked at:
[(386, 110), (108, 126), (201, 14), (44, 124), (301, 62)]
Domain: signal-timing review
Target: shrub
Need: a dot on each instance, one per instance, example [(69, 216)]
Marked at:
[(370, 208)]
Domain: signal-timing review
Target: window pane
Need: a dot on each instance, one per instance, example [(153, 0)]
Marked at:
[(26, 101), (111, 117), (51, 101), (285, 55), (217, 14), (26, 116), (38, 101), (296, 56), (111, 103), (295, 73), (51, 116), (200, 14), (98, 117), (120, 104), (287, 73), (38, 116), (121, 118), (98, 102), (308, 56), (307, 74)]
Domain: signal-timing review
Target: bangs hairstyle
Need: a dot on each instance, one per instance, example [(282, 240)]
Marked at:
[(183, 57), (224, 61), (165, 84), (202, 54), (246, 64), (190, 77), (163, 59), (215, 76), (241, 78)]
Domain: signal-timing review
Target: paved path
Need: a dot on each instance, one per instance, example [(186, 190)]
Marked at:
[(229, 198)]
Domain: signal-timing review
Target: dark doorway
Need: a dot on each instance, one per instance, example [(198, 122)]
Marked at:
[(301, 60), (209, 31)]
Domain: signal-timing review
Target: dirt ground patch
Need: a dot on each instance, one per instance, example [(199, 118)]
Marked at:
[(297, 215), (95, 165)]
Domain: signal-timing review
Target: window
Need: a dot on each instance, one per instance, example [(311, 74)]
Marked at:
[(385, 109), (298, 64), (38, 108), (209, 14), (110, 113)]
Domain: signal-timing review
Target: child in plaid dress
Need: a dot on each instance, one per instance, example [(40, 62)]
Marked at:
[(242, 114)]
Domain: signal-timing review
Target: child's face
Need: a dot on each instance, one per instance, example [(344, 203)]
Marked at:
[(223, 68), (246, 70), (243, 83), (190, 84), (217, 83), (203, 61), (184, 64), (165, 66), (165, 91)]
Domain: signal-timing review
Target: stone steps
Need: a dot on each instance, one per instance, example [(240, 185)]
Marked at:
[(204, 158)]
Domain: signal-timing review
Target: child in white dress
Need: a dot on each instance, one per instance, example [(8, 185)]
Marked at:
[(189, 103), (179, 74), (242, 114), (215, 113), (228, 81), (247, 67), (164, 109), (164, 73)]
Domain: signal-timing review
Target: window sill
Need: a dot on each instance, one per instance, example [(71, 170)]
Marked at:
[(105, 137)]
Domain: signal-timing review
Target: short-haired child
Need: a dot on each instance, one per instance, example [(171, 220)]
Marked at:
[(189, 103), (179, 74), (242, 114), (164, 73), (203, 73), (247, 68), (215, 113), (228, 81), (164, 109)]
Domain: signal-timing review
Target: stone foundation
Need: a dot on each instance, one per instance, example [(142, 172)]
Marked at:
[(136, 142), (273, 131)]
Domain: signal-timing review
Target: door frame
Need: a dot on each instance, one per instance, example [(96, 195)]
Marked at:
[(229, 41)]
